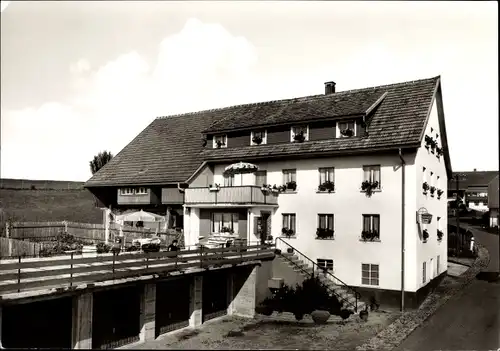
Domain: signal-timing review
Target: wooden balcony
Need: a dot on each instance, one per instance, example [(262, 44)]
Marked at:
[(249, 195)]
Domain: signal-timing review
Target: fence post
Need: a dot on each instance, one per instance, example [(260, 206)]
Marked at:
[(114, 258), (71, 272), (65, 226), (19, 275), (7, 229)]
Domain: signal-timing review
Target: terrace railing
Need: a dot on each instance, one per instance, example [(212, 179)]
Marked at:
[(246, 194), (39, 274)]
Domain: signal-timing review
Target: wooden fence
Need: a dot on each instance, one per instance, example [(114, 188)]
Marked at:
[(14, 247)]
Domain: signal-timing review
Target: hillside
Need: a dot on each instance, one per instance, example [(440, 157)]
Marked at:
[(48, 205), (6, 183)]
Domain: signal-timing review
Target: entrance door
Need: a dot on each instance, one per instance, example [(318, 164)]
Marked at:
[(265, 229)]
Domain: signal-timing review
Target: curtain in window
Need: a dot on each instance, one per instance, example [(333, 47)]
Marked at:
[(376, 223), (216, 222), (330, 222), (366, 223), (292, 222), (376, 175), (366, 173), (261, 178), (322, 221), (229, 180)]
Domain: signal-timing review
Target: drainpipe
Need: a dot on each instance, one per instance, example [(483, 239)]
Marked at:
[(403, 163)]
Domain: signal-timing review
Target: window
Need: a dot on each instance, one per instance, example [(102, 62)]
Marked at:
[(325, 221), (372, 174), (433, 273), (258, 137), (224, 223), (326, 174), (325, 263), (127, 191), (437, 182), (369, 274), (228, 179), (298, 130), (347, 129), (424, 271), (260, 178), (437, 264), (371, 223), (289, 222), (220, 141), (142, 191), (290, 179)]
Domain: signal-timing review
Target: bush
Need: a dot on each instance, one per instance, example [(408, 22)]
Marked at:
[(102, 248), (151, 247)]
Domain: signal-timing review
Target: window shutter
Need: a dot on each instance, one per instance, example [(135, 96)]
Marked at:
[(256, 225)]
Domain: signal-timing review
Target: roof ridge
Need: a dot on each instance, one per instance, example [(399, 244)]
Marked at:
[(307, 97)]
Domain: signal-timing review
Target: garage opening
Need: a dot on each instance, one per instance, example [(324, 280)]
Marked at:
[(172, 305), (215, 294), (41, 324), (116, 317)]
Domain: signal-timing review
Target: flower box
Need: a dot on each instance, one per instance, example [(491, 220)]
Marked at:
[(370, 235), (323, 233), (425, 235), (327, 186), (299, 137), (426, 187), (369, 187), (347, 132)]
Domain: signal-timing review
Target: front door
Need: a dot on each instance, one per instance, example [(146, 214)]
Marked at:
[(264, 226)]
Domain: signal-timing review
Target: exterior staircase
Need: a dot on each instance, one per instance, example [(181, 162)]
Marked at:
[(350, 299)]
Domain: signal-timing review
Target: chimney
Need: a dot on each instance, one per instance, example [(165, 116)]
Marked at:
[(329, 88)]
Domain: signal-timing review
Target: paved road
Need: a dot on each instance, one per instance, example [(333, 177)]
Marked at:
[(468, 321)]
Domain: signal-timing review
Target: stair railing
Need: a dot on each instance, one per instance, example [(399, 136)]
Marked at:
[(315, 266)]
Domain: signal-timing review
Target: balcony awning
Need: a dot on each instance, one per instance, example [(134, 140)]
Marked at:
[(241, 167)]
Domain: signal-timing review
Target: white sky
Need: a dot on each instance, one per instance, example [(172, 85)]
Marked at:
[(81, 77)]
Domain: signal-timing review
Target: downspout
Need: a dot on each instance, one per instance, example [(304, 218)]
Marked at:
[(403, 163)]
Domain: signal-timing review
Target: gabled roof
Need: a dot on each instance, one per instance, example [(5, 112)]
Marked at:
[(471, 179), (170, 149)]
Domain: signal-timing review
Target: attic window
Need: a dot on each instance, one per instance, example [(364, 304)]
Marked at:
[(127, 191), (142, 191), (346, 129), (220, 141), (258, 137), (299, 134)]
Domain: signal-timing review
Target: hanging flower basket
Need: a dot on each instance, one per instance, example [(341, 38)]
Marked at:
[(426, 187), (425, 235), (439, 193), (425, 218)]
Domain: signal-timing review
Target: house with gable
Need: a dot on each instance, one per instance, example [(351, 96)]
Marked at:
[(346, 178)]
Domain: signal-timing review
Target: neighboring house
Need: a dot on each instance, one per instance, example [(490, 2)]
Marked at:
[(493, 190), (392, 137), (472, 188)]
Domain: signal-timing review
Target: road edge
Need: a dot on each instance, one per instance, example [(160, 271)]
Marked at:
[(392, 336)]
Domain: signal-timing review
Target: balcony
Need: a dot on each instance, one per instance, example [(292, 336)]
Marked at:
[(248, 195)]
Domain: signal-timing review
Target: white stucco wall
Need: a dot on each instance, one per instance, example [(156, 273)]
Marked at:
[(438, 208)]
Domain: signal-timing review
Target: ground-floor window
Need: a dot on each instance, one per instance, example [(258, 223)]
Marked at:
[(224, 223), (289, 224), (325, 263), (369, 274)]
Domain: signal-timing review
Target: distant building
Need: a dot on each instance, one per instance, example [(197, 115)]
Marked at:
[(472, 188), (493, 190)]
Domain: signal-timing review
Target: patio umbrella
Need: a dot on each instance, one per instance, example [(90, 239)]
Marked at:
[(142, 216), (240, 167)]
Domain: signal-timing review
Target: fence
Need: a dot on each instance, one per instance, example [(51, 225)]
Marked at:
[(13, 247)]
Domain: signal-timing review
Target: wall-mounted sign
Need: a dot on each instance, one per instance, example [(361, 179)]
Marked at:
[(423, 216)]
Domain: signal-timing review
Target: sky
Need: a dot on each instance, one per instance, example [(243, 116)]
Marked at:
[(82, 77)]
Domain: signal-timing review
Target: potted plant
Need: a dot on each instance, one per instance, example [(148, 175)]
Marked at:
[(257, 139), (347, 132), (432, 190), (266, 188), (425, 235), (440, 235), (426, 187), (275, 189), (324, 233), (369, 235), (291, 185), (364, 314), (428, 141), (320, 316), (227, 230), (215, 187), (433, 145), (369, 187), (439, 151), (327, 186), (219, 144), (299, 137), (439, 193)]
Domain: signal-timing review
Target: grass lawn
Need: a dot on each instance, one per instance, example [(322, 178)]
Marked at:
[(49, 205), (276, 332)]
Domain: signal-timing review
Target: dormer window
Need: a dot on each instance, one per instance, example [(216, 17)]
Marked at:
[(299, 134), (258, 137), (141, 191), (220, 141), (347, 129), (127, 191)]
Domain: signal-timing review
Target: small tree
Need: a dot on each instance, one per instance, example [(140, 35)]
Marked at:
[(100, 160)]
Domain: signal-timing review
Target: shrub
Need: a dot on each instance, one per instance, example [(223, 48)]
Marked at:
[(102, 248)]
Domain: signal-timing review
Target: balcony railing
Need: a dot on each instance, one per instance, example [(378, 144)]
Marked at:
[(245, 195)]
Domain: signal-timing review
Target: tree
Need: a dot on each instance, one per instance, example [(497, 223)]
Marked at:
[(100, 160)]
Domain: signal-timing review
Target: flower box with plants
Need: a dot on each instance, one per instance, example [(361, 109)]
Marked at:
[(440, 235), (257, 139), (439, 193), (327, 186), (432, 189), (347, 132), (214, 187), (291, 185), (439, 152), (227, 230), (288, 233), (324, 233), (430, 142), (219, 144), (299, 137), (369, 187), (425, 235), (425, 187), (371, 235)]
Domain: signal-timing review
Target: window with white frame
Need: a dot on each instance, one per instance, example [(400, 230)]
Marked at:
[(433, 273), (369, 274), (424, 272), (371, 223), (141, 191), (127, 191), (325, 263), (372, 174), (424, 174), (438, 181), (289, 223), (437, 264), (224, 223), (326, 174), (347, 129), (220, 141), (325, 221), (431, 179), (260, 178), (290, 179), (228, 179), (299, 130), (258, 137)]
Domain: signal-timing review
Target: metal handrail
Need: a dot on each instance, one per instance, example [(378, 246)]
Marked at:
[(357, 295)]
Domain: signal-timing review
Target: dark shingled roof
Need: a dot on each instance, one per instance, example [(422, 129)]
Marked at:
[(170, 150), (471, 179)]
